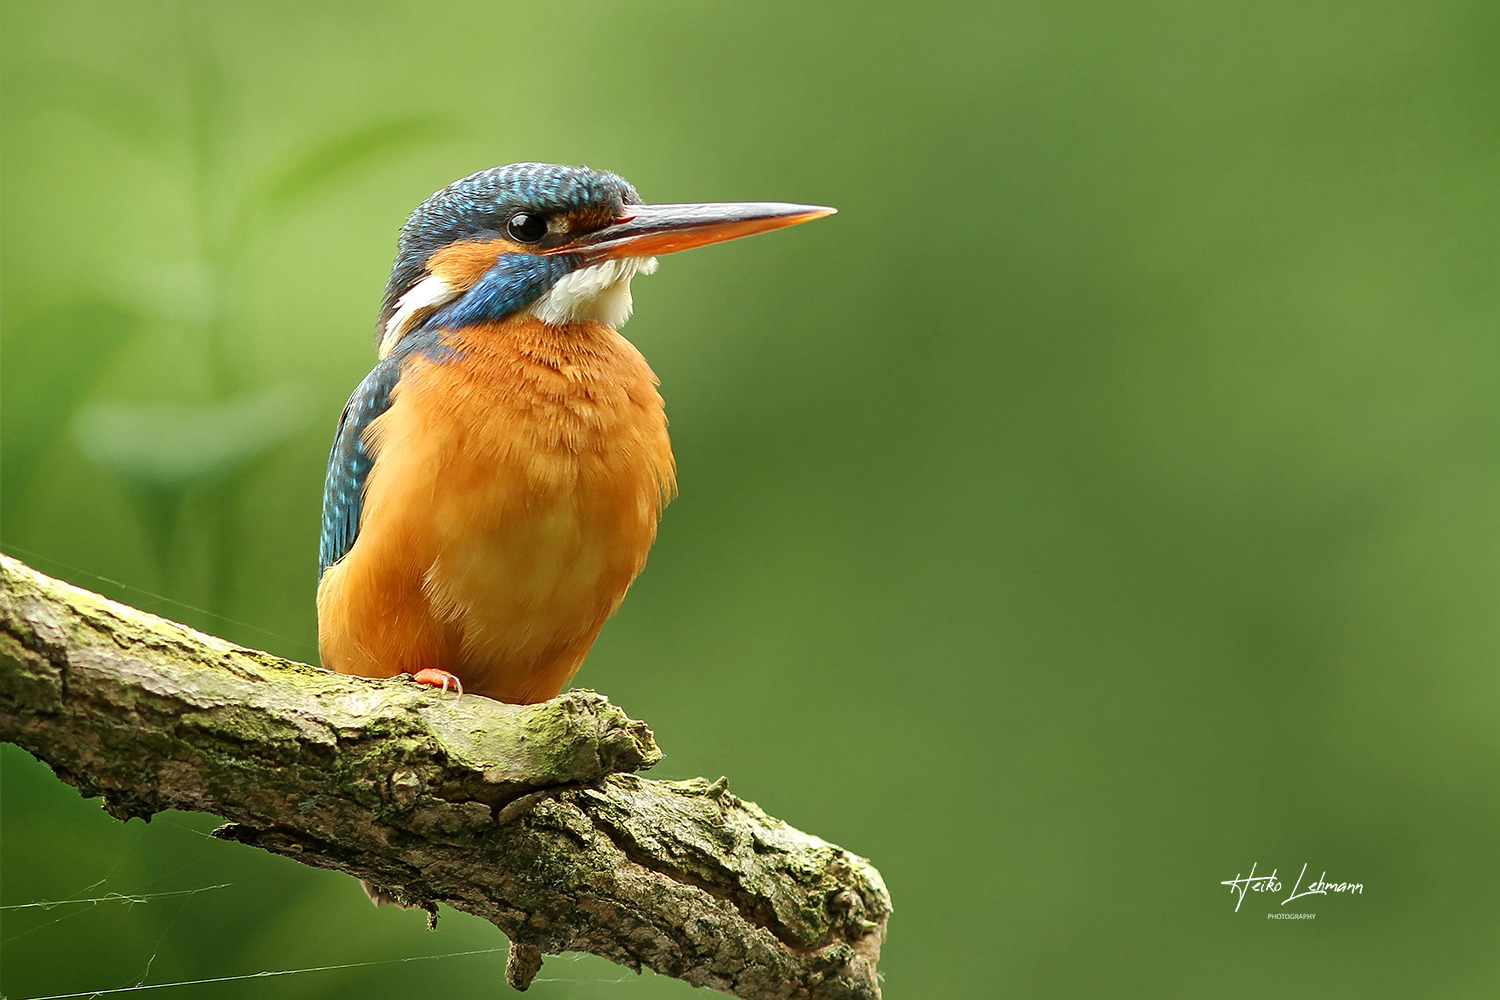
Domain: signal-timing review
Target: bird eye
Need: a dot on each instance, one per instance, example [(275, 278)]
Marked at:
[(526, 228)]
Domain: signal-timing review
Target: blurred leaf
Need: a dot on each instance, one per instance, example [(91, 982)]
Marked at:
[(50, 364), (176, 446), (334, 161), (109, 103)]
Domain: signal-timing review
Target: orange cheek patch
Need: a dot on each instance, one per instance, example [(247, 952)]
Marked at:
[(463, 263)]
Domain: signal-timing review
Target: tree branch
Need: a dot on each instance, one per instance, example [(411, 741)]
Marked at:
[(527, 816)]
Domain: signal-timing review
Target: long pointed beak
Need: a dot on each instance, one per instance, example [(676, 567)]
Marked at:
[(658, 229)]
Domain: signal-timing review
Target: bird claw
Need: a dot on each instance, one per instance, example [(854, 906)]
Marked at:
[(434, 677)]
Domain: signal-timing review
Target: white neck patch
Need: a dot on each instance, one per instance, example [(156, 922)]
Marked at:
[(429, 292), (598, 292)]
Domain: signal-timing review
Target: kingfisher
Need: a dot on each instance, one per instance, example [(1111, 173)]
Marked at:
[(495, 482)]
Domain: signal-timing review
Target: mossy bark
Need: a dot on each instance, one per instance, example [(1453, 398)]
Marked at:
[(527, 816)]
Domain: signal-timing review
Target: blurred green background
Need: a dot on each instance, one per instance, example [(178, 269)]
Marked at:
[(1104, 501)]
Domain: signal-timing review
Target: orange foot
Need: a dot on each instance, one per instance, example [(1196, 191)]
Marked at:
[(439, 679)]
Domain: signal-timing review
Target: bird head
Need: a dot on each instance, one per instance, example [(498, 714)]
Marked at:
[(561, 242)]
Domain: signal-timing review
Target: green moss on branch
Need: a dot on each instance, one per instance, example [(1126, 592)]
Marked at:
[(528, 816)]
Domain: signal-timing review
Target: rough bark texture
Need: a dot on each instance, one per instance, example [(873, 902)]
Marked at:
[(527, 816)]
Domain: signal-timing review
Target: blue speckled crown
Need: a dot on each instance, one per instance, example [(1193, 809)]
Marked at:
[(481, 203)]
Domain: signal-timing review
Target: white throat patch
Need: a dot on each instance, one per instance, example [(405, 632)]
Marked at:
[(598, 292)]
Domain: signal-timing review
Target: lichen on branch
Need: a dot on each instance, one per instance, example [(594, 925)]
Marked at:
[(529, 816)]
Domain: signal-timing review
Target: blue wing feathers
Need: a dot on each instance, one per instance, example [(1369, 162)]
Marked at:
[(352, 457), (350, 461)]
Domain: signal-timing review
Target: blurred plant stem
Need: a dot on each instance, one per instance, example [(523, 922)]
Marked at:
[(189, 466), (208, 113)]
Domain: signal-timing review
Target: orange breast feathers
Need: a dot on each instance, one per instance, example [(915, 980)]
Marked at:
[(514, 495)]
